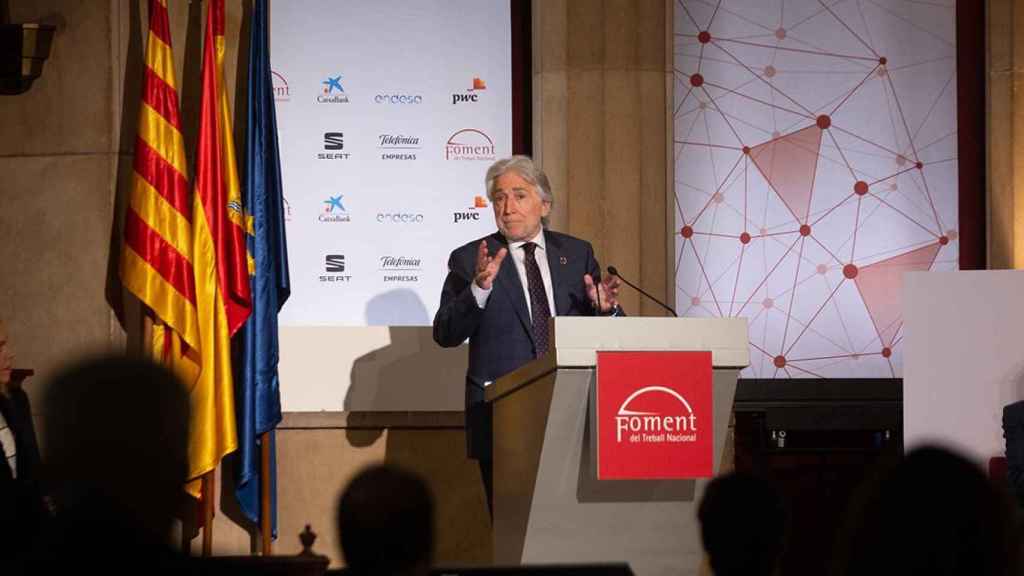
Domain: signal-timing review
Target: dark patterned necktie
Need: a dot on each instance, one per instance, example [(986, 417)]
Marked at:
[(538, 300)]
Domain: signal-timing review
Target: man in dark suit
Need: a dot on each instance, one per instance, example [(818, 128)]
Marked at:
[(503, 307), (1013, 431)]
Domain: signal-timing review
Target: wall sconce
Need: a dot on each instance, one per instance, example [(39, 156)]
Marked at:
[(23, 49)]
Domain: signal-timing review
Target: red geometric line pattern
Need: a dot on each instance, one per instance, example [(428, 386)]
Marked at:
[(835, 124)]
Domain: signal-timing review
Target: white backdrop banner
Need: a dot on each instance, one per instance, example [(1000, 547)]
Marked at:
[(815, 161), (389, 113)]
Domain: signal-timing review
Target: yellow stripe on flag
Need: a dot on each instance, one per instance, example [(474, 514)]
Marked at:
[(159, 215), (150, 287), (160, 59), (162, 137)]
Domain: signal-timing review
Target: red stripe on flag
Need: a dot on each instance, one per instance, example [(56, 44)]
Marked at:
[(163, 177), (152, 248), (158, 21), (161, 97)]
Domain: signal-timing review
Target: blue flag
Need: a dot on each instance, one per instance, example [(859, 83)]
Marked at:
[(257, 390)]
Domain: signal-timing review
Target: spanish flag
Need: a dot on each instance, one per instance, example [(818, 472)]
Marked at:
[(156, 259), (219, 259)]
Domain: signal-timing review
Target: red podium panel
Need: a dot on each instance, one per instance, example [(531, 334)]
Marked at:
[(654, 416)]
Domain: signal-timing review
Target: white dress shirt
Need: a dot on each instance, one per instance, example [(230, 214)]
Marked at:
[(518, 255)]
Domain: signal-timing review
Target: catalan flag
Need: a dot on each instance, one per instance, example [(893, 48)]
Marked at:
[(156, 259), (220, 264)]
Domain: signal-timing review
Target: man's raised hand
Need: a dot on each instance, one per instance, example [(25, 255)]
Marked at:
[(487, 266)]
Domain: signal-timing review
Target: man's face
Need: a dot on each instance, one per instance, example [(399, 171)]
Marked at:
[(518, 207)]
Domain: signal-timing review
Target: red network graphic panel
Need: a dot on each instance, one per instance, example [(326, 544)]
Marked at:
[(815, 161)]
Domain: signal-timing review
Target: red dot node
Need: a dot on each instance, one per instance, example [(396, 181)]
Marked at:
[(695, 300), (919, 165), (943, 240), (860, 188), (696, 80), (718, 198), (780, 33), (850, 271), (883, 60), (746, 150), (769, 71), (886, 352), (824, 121), (805, 230), (952, 234), (704, 37), (745, 238), (686, 231), (780, 361), (768, 303)]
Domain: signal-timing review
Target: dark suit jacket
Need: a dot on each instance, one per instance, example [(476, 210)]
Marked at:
[(1013, 431), (500, 339)]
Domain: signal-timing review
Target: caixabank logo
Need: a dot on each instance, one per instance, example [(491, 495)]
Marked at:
[(655, 415)]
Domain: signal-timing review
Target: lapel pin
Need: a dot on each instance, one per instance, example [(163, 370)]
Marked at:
[(563, 260)]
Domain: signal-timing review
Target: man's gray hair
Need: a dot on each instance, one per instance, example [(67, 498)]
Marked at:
[(527, 170)]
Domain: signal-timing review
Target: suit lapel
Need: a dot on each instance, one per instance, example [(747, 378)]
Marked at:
[(555, 257), (508, 282)]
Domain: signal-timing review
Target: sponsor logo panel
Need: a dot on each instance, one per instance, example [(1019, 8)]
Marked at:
[(334, 268), (398, 146), (395, 269), (470, 144)]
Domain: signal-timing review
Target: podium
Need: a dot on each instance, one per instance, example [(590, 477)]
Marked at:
[(549, 506)]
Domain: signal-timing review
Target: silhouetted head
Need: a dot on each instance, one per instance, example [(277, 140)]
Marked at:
[(115, 445), (932, 513), (742, 525), (386, 523)]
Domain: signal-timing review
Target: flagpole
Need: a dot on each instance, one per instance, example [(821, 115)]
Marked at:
[(265, 512), (209, 485)]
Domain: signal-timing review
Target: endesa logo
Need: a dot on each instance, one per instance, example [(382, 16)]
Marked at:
[(400, 218), (469, 95), (469, 144), (398, 98), (471, 214), (655, 418)]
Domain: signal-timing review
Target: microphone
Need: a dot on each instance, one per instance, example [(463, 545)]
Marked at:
[(615, 272)]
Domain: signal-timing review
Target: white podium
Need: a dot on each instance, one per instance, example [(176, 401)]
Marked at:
[(549, 507)]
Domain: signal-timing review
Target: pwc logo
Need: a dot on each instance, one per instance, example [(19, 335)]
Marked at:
[(472, 213), (469, 95), (673, 422)]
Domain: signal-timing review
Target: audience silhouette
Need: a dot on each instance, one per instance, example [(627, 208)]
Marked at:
[(386, 523), (932, 513), (115, 460), (743, 523)]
